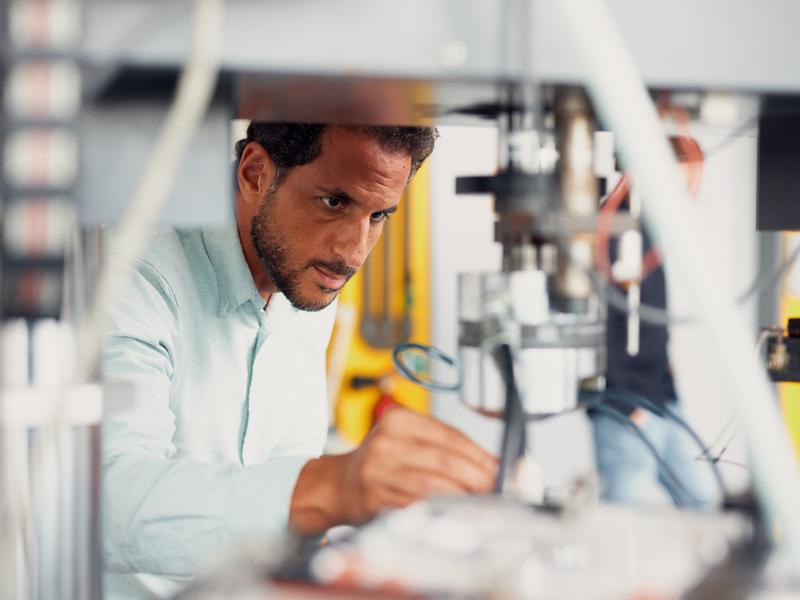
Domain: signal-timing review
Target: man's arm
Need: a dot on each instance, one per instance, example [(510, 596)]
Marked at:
[(164, 513), (406, 457)]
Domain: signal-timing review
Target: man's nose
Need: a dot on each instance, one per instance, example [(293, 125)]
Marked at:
[(353, 243)]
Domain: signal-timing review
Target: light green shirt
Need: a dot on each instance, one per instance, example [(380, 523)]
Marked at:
[(228, 403)]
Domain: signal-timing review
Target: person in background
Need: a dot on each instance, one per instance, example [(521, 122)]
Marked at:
[(628, 471)]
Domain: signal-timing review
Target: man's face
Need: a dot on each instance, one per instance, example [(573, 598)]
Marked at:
[(317, 228)]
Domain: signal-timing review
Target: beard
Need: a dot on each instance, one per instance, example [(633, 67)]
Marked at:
[(275, 251)]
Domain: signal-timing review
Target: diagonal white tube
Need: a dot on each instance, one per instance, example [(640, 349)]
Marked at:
[(194, 92), (622, 101)]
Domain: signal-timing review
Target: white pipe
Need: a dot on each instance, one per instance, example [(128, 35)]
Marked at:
[(195, 89), (622, 101), (194, 92)]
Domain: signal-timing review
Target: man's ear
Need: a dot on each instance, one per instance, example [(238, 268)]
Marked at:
[(255, 174)]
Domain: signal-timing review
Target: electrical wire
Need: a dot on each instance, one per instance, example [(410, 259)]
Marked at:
[(514, 441), (194, 92), (626, 422), (690, 156), (731, 420), (659, 316), (430, 352), (726, 441), (704, 451), (488, 345), (663, 411), (717, 458), (629, 398), (689, 153), (685, 146), (602, 232), (624, 103), (731, 137), (771, 278), (514, 414), (646, 312)]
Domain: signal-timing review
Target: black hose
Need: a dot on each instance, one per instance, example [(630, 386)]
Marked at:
[(626, 422), (514, 437), (430, 352), (663, 411)]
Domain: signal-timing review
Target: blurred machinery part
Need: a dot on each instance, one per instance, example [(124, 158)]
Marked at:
[(119, 129), (50, 407), (391, 300), (49, 470), (625, 105), (542, 311), (41, 159), (49, 435), (387, 295), (783, 351), (490, 547), (546, 222), (778, 156), (303, 75), (542, 305), (787, 310)]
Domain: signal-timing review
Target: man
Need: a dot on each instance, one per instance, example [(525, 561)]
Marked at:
[(629, 473), (224, 333)]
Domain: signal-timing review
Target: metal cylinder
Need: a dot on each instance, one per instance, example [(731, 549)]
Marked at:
[(49, 468), (578, 195), (558, 353)]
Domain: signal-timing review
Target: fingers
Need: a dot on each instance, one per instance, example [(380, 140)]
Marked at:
[(403, 423), (397, 488), (436, 461), (416, 443), (408, 457)]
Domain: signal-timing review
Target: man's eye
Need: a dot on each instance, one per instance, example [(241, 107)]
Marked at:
[(332, 202), (380, 217)]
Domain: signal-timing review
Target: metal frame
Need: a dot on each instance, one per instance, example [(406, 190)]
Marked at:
[(705, 44)]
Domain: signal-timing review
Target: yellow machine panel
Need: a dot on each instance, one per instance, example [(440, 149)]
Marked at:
[(386, 303), (790, 307)]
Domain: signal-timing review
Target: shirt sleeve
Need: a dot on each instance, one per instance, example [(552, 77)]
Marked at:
[(164, 514)]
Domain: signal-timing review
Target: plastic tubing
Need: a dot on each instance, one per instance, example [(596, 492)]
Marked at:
[(193, 96), (622, 101)]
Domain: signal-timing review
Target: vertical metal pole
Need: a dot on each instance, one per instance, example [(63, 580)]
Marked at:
[(49, 468), (577, 190)]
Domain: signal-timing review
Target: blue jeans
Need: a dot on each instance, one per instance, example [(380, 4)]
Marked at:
[(630, 474)]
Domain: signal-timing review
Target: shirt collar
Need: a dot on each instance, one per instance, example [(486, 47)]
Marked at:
[(234, 280)]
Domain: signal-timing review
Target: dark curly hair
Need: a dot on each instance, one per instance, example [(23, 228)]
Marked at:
[(294, 144)]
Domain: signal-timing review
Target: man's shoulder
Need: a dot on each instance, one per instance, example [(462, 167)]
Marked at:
[(171, 248), (169, 259), (162, 247)]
